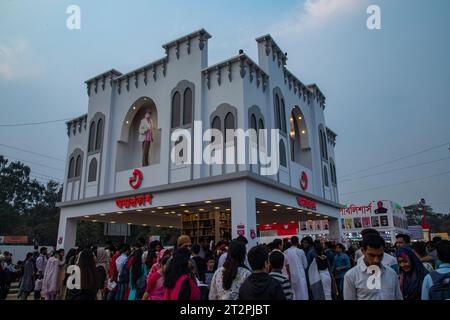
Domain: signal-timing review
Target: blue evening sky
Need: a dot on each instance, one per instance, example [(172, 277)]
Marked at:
[(388, 90)]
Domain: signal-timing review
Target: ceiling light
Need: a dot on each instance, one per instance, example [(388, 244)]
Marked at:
[(167, 212), (257, 211), (299, 118), (102, 214), (153, 211), (87, 217), (128, 122), (128, 223), (228, 209), (183, 205), (112, 222), (318, 215), (94, 220), (172, 212), (187, 211), (179, 214), (139, 210), (278, 205), (144, 225), (274, 209), (158, 225), (201, 209), (208, 201), (217, 208), (309, 212), (303, 132), (289, 208), (160, 208), (263, 201)]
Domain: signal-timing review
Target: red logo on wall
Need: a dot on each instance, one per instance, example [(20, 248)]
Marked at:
[(134, 201), (136, 179), (60, 240), (306, 203), (304, 180)]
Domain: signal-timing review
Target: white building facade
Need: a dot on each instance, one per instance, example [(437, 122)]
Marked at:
[(105, 180)]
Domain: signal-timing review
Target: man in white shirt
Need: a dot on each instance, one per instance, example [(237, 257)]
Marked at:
[(297, 262)]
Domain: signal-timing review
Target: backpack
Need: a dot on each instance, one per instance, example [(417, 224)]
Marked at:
[(440, 290)]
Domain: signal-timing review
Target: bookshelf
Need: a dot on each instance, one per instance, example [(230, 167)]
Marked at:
[(206, 224)]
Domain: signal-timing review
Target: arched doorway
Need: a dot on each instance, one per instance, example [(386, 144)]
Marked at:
[(129, 149)]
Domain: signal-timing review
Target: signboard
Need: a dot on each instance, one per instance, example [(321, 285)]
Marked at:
[(134, 201), (136, 179), (13, 239), (306, 203)]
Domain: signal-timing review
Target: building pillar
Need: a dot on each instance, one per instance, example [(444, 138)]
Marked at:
[(334, 225), (243, 214), (67, 232)]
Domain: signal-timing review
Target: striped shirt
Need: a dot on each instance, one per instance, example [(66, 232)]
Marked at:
[(285, 284)]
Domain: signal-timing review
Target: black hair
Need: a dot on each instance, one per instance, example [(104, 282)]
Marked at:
[(142, 241), (258, 256), (277, 242), (294, 240), (328, 244), (195, 248), (72, 252), (235, 258), (405, 237), (88, 271), (372, 240), (318, 247), (436, 240), (178, 266), (420, 248), (36, 247), (276, 259), (340, 245), (164, 260), (29, 255), (125, 247), (150, 259), (136, 266), (369, 231), (443, 251), (201, 239), (42, 250), (307, 239), (242, 239)]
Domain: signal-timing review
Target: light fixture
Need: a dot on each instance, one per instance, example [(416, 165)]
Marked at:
[(289, 208), (309, 212), (208, 201), (167, 212), (171, 227), (326, 217), (292, 221), (274, 223), (318, 215), (187, 211), (145, 99), (144, 224), (291, 119), (119, 212), (87, 217), (153, 211), (299, 210), (274, 210), (228, 209), (139, 210), (179, 214), (102, 214), (112, 222), (303, 131), (183, 205), (172, 212), (257, 211), (158, 225), (292, 134), (134, 108), (299, 118), (278, 205), (217, 208), (263, 201), (129, 223), (128, 122), (201, 209), (160, 208), (94, 220)]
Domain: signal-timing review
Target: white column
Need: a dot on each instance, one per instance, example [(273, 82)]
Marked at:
[(243, 213), (67, 232)]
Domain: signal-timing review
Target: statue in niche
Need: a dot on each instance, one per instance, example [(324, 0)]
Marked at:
[(146, 136)]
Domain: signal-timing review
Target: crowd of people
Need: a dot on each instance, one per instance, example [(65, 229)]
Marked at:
[(285, 269)]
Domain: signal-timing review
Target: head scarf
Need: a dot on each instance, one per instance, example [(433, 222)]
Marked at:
[(157, 265), (411, 282), (102, 259)]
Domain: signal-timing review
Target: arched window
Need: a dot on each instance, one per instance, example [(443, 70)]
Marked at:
[(323, 144), (229, 123), (283, 116), (261, 140), (176, 110), (282, 154), (92, 174), (78, 167), (277, 113), (325, 176), (187, 107), (71, 168), (91, 144), (253, 122), (325, 148), (333, 172), (215, 125), (99, 136)]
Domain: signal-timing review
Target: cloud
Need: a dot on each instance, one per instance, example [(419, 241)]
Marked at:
[(17, 60), (311, 15)]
